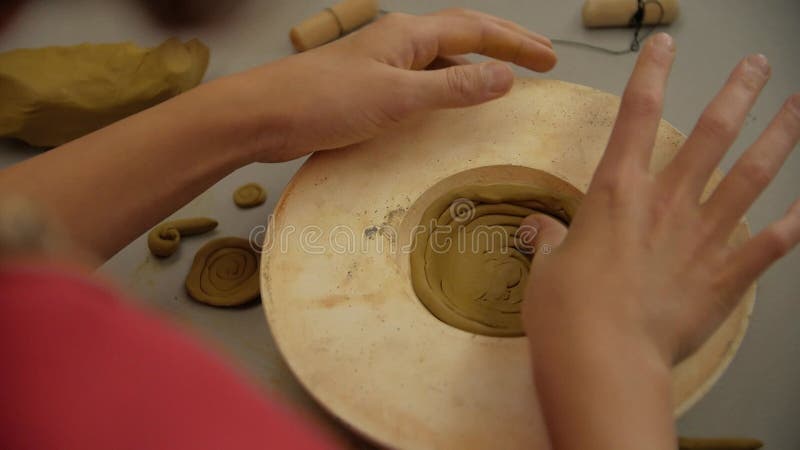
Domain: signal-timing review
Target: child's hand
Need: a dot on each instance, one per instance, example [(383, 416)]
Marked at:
[(645, 273), (348, 91), (643, 256)]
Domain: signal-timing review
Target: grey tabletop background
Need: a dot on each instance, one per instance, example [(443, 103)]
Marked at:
[(759, 395)]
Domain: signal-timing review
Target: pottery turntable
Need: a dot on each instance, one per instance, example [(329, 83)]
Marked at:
[(351, 296)]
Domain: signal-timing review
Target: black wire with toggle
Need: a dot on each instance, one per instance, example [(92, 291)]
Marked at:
[(636, 21)]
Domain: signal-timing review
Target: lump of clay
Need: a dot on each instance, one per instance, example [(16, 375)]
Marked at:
[(52, 95), (164, 239), (469, 264), (685, 443), (224, 273), (250, 195)]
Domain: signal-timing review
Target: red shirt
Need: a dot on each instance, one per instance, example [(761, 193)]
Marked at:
[(82, 369)]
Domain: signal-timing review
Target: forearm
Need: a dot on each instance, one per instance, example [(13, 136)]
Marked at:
[(601, 390), (110, 186)]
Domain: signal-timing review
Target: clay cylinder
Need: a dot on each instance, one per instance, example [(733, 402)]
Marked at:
[(618, 13), (331, 23)]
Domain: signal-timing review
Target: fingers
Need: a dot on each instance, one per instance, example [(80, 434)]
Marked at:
[(756, 255), (755, 169), (632, 139), (448, 35), (502, 22), (542, 233), (460, 35), (718, 127), (459, 85)]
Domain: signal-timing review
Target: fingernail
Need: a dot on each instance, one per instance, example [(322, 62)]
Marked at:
[(533, 224), (663, 41), (795, 208), (794, 104), (529, 229), (497, 76), (759, 62)]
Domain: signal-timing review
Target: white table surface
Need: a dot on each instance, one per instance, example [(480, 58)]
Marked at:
[(759, 396)]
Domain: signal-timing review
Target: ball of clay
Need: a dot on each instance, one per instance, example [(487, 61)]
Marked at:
[(224, 273), (53, 95), (165, 239), (250, 195)]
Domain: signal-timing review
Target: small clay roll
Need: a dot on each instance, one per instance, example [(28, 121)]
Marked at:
[(224, 273), (351, 14), (164, 239), (618, 13), (315, 31), (685, 443), (331, 23), (250, 195)]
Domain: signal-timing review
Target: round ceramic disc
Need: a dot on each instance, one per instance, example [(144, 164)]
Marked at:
[(335, 275)]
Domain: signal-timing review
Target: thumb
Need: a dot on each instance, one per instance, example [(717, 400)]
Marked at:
[(542, 233), (462, 85)]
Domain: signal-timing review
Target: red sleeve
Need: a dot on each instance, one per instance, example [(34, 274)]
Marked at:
[(81, 369)]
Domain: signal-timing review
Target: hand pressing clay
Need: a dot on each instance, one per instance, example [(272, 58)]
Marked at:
[(224, 273), (469, 264), (52, 95), (250, 195), (164, 239)]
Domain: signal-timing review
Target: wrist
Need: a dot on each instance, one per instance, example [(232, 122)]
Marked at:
[(601, 389), (597, 347), (246, 110)]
